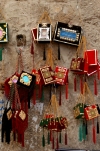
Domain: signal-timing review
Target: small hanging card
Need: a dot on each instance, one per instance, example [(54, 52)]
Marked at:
[(65, 33), (3, 32), (61, 75), (47, 75)]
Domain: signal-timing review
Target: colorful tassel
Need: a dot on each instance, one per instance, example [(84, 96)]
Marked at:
[(60, 137), (65, 138), (94, 133), (53, 142), (32, 48), (75, 83), (50, 135), (42, 95), (40, 90), (95, 87), (98, 72), (43, 141), (34, 97), (81, 85), (1, 53), (80, 132), (86, 128), (48, 138), (97, 126), (84, 131), (66, 90), (60, 96), (57, 143), (44, 54), (58, 52)]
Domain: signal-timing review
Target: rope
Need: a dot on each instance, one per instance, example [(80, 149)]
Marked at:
[(19, 65), (44, 15), (17, 99)]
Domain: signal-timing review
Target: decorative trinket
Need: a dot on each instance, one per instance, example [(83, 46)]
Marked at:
[(47, 75), (67, 34), (3, 32), (91, 112), (61, 75)]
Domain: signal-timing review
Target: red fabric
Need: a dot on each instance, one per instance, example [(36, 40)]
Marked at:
[(65, 138)]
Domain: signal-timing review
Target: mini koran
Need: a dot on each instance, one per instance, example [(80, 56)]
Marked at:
[(44, 32), (67, 34), (3, 32)]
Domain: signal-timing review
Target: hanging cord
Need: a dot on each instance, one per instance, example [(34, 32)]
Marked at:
[(82, 46), (44, 16), (86, 90), (11, 94), (50, 58), (17, 99), (19, 65), (2, 15)]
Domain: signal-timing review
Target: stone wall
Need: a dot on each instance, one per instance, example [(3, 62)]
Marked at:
[(22, 16)]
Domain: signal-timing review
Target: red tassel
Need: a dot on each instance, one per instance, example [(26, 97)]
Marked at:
[(75, 84), (66, 90), (98, 72), (95, 87), (50, 135), (60, 96), (65, 138), (34, 97), (22, 137), (57, 142), (81, 85), (32, 48), (53, 142), (40, 90), (94, 133)]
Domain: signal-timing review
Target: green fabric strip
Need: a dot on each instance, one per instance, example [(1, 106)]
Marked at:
[(1, 53)]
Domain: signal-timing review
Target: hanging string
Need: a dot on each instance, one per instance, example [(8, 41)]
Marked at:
[(44, 54), (50, 58), (58, 51)]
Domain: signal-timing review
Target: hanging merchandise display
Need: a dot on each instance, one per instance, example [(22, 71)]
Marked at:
[(3, 35), (14, 78), (3, 32), (65, 33), (54, 123), (91, 61), (79, 107), (47, 75), (77, 63), (7, 118), (87, 65), (86, 109), (61, 78), (19, 118), (26, 82), (43, 31)]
